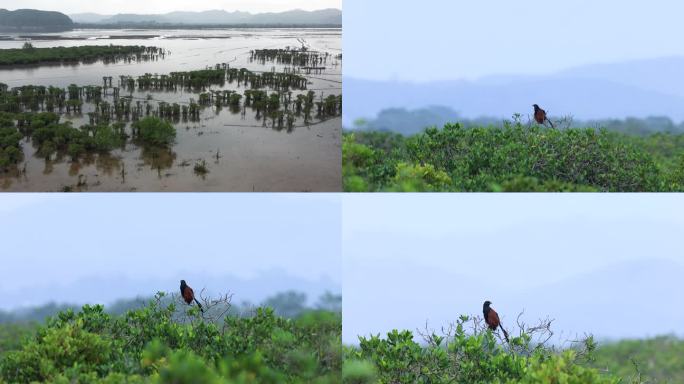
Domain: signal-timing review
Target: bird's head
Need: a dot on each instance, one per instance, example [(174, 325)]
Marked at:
[(183, 282), (487, 303), (535, 106)]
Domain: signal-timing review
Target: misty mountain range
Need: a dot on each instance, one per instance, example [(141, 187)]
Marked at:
[(639, 88), (107, 290), (318, 17), (638, 293)]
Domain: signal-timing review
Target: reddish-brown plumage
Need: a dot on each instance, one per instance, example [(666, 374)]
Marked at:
[(540, 116), (188, 295), (493, 320)]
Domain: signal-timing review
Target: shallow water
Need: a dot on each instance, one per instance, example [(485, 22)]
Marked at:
[(251, 156)]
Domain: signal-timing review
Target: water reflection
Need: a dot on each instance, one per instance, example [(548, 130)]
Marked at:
[(158, 159)]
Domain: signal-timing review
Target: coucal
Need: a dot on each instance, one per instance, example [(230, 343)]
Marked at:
[(189, 295), (492, 318), (540, 115)]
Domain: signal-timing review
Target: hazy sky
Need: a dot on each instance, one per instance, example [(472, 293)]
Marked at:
[(437, 39), (164, 6), (61, 239), (409, 259)]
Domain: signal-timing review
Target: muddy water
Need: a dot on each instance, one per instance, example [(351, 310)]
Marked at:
[(242, 153)]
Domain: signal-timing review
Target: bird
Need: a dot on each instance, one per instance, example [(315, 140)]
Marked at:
[(189, 295), (540, 115), (492, 318)]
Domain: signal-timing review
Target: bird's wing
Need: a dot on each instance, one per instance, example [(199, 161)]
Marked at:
[(188, 294), (493, 318)]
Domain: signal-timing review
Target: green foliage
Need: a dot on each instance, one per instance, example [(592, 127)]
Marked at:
[(466, 358), (362, 167), (512, 158), (154, 131), (154, 345), (358, 372), (532, 184), (659, 359), (51, 136), (561, 369), (81, 54), (201, 168), (419, 178), (12, 336), (10, 147)]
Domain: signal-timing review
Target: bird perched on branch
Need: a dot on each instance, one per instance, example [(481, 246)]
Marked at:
[(492, 318), (189, 295), (540, 116)]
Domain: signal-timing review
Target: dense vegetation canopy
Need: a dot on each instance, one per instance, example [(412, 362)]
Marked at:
[(657, 360), (514, 157), (174, 343), (479, 355)]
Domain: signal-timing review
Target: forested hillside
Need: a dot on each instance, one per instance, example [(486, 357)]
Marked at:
[(33, 20)]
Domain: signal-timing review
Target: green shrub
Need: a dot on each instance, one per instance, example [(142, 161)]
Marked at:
[(532, 184), (658, 359), (419, 178), (362, 167), (561, 369), (358, 372), (154, 131), (55, 350), (162, 344), (513, 158), (461, 357), (10, 147)]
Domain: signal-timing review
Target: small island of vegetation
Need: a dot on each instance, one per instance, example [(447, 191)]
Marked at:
[(82, 54)]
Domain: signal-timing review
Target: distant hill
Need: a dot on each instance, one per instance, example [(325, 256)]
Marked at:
[(633, 291), (409, 122), (296, 302), (298, 17), (88, 17), (108, 289), (638, 88), (32, 20)]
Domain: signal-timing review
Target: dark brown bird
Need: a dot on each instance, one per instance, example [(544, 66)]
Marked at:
[(540, 116), (492, 318), (189, 295)]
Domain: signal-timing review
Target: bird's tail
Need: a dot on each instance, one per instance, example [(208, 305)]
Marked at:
[(504, 332), (200, 305), (550, 123)]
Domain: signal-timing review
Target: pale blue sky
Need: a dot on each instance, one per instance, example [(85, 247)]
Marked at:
[(437, 39), (412, 258), (65, 240)]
